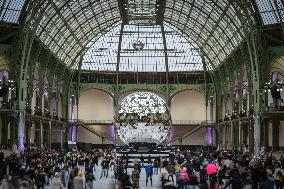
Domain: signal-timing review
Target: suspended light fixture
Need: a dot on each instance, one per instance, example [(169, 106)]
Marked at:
[(142, 117), (138, 44)]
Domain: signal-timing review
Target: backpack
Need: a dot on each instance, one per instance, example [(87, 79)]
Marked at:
[(184, 176)]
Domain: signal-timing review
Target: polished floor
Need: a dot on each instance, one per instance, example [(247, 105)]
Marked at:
[(109, 183)]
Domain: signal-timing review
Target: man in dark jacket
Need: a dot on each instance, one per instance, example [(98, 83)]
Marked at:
[(236, 181), (3, 169), (105, 167)]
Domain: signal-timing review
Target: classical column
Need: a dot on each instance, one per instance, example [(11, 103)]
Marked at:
[(219, 137), (232, 135), (226, 143), (21, 131), (4, 130), (41, 133), (1, 131), (251, 136), (73, 133), (61, 139), (265, 125), (49, 134), (33, 133), (211, 141), (275, 134), (240, 138), (256, 135)]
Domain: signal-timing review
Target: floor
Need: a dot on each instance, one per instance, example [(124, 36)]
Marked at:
[(109, 183)]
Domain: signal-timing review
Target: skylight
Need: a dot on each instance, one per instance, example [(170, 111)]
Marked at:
[(141, 11), (183, 54), (10, 10), (271, 12)]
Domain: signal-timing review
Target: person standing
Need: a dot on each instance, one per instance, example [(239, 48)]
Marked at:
[(156, 166), (89, 176), (78, 181), (171, 170), (149, 172), (141, 160), (135, 177), (56, 182), (40, 180), (105, 167), (279, 180), (64, 176)]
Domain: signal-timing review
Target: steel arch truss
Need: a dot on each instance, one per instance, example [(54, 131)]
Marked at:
[(67, 27)]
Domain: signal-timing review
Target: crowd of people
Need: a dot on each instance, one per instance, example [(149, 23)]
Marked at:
[(223, 169), (38, 168), (181, 169)]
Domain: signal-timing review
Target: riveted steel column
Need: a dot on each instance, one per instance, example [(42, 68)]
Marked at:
[(166, 63), (116, 93), (28, 33), (265, 125)]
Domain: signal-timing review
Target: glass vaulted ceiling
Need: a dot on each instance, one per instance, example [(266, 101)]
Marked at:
[(68, 26), (271, 11), (183, 54), (10, 10)]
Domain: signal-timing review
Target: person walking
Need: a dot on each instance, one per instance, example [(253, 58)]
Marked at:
[(156, 166), (78, 181), (64, 176), (149, 172), (171, 170), (135, 177), (89, 176), (56, 182), (105, 167), (40, 180)]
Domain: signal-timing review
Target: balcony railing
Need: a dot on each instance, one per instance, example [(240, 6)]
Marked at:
[(174, 122)]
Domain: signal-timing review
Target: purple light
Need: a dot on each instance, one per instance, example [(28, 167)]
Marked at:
[(6, 74), (209, 133), (113, 132), (73, 133), (170, 136), (21, 132)]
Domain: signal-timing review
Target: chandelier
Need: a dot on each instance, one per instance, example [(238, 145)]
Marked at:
[(138, 45), (142, 117)]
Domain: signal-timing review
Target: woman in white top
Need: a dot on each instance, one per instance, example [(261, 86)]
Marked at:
[(56, 182)]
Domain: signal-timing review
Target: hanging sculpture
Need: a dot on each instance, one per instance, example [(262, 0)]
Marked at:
[(142, 117)]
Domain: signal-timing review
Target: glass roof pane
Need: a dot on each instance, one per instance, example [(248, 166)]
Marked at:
[(11, 10), (271, 11), (71, 27), (151, 58), (183, 54), (102, 52), (76, 23), (141, 11), (213, 25)]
